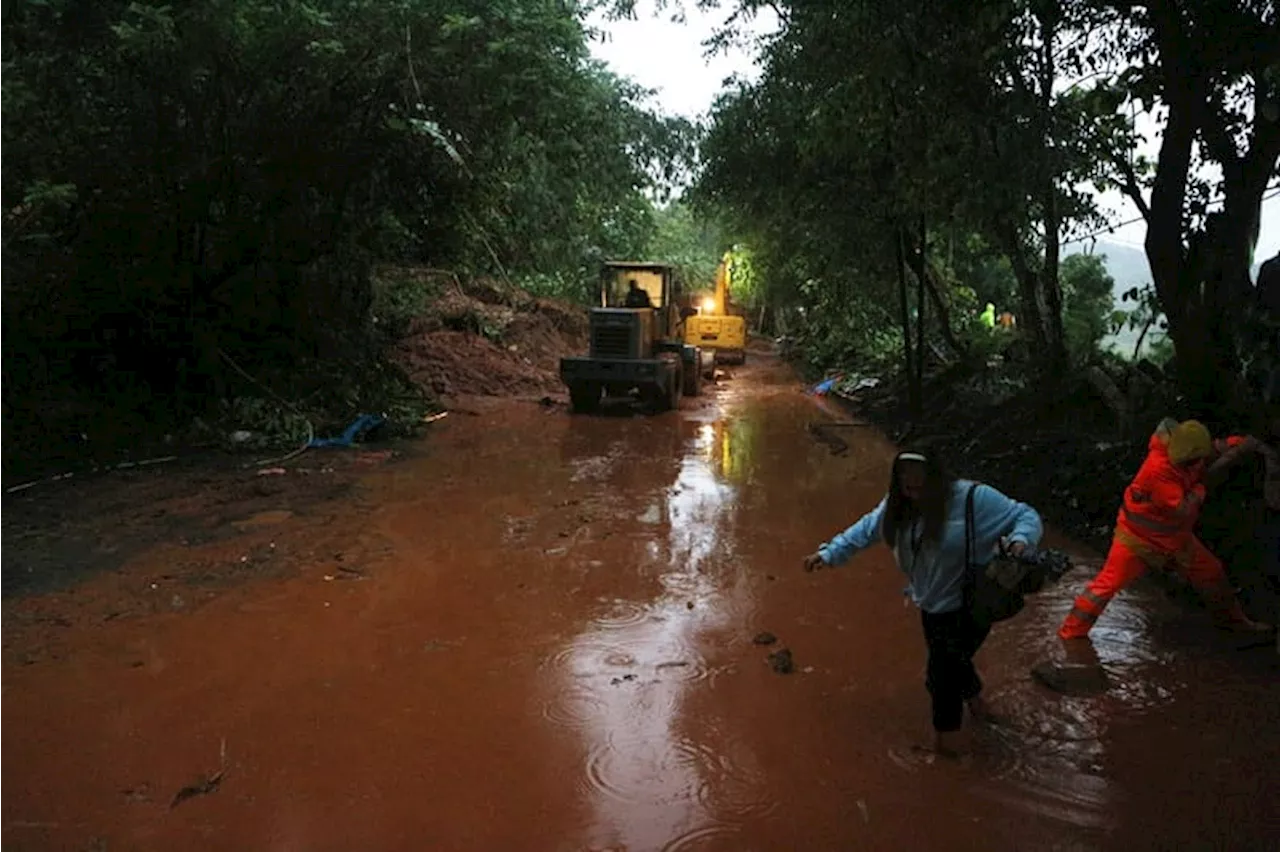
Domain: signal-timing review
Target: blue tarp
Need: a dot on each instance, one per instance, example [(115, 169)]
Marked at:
[(362, 424), (823, 387)]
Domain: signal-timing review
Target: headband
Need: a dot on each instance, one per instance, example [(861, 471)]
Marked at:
[(915, 457)]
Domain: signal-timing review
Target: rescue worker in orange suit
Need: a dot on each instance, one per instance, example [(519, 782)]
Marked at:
[(1155, 528)]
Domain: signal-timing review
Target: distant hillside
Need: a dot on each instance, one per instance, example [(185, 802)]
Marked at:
[(1127, 264)]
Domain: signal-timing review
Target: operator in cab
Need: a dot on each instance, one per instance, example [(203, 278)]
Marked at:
[(636, 297)]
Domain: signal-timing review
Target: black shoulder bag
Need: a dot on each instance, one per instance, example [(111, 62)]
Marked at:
[(985, 597), (997, 591)]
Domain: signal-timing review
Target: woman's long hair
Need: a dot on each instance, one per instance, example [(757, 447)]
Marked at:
[(899, 512)]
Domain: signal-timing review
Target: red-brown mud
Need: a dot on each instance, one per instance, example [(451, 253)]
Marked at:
[(491, 340), (535, 632)]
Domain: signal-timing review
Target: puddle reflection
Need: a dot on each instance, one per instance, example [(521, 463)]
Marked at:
[(651, 778)]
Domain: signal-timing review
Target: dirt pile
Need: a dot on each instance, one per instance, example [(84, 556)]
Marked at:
[(484, 337)]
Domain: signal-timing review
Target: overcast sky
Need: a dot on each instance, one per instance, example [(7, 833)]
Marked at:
[(669, 57)]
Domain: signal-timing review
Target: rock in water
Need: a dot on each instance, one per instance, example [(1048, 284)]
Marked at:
[(764, 637), (1072, 678), (781, 662)]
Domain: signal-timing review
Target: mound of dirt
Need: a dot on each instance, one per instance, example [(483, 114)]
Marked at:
[(485, 338)]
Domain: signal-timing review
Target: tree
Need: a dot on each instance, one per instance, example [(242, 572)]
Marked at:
[(1088, 303), (690, 241), (880, 131), (1213, 68), (217, 177)]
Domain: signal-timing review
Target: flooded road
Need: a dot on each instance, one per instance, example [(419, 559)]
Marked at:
[(537, 634)]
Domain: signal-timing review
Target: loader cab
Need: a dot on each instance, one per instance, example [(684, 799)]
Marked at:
[(620, 279)]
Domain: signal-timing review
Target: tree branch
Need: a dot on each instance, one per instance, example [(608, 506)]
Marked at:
[(944, 313), (1218, 143), (1130, 187)]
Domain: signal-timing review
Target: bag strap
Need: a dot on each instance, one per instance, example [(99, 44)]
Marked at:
[(969, 528)]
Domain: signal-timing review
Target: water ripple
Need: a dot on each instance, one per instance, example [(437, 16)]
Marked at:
[(655, 771), (622, 614), (675, 662), (574, 707), (710, 836)]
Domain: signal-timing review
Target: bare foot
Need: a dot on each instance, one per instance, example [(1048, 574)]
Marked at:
[(948, 744)]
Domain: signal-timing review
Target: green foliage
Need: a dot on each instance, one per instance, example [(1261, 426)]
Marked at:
[(1210, 70), (581, 287), (691, 241), (223, 174), (871, 118), (982, 269), (1087, 303), (847, 332), (1141, 313), (746, 286), (401, 294)]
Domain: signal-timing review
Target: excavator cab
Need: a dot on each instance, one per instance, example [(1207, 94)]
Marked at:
[(636, 341)]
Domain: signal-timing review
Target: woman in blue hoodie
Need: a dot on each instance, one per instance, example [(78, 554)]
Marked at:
[(922, 519)]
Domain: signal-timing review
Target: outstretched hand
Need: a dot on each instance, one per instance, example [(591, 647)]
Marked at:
[(814, 561)]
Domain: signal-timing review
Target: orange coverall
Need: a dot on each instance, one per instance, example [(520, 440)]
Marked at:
[(1154, 530)]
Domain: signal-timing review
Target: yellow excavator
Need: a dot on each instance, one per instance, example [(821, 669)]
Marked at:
[(714, 328)]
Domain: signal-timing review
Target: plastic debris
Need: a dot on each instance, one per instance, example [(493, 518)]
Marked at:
[(358, 427), (824, 387)]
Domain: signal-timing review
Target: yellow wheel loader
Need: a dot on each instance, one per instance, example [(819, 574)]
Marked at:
[(636, 342), (716, 326)]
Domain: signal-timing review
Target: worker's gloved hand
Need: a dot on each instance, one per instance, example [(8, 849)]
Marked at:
[(1252, 445), (813, 562)]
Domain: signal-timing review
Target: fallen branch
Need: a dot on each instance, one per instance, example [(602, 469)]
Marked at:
[(206, 785), (311, 434), (293, 455), (95, 469)]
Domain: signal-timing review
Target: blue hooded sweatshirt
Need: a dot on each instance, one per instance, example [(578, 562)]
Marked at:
[(935, 572)]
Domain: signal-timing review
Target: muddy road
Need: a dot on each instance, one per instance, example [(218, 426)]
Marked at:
[(535, 632)]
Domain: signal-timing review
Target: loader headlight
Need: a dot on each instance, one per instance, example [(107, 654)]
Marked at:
[(708, 304)]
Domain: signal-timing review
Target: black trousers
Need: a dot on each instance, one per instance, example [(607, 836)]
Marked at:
[(953, 638)]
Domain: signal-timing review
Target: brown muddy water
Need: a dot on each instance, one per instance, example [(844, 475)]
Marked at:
[(537, 634)]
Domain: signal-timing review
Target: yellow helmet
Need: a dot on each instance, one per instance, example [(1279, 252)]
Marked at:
[(1189, 440)]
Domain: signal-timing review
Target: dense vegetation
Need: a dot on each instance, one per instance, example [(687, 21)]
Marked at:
[(197, 192), (196, 195), (897, 165)]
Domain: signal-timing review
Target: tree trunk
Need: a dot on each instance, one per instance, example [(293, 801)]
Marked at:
[(904, 317), (933, 289), (1202, 290), (1041, 308), (1049, 294), (943, 312), (921, 268)]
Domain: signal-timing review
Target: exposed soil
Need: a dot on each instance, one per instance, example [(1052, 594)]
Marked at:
[(482, 338), (58, 534)]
